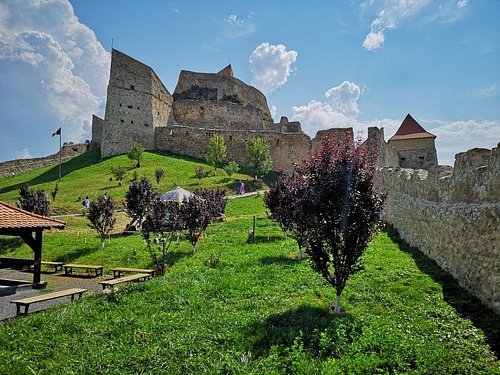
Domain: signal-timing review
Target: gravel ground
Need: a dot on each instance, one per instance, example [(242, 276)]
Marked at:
[(55, 282)]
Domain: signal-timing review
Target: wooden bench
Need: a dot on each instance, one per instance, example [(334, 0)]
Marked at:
[(26, 302), (68, 268), (136, 277), (57, 265), (119, 271)]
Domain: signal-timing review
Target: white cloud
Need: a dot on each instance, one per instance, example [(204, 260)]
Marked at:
[(460, 136), (339, 110), (462, 3), (23, 154), (239, 27), (46, 40), (344, 98), (273, 110), (388, 18), (271, 65)]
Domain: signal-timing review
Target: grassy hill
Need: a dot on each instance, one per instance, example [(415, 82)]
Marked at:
[(236, 307), (90, 175)]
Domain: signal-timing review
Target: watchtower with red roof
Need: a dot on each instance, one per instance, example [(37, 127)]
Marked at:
[(415, 146)]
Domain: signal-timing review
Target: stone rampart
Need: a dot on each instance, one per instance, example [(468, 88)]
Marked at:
[(68, 151), (452, 216), (286, 148)]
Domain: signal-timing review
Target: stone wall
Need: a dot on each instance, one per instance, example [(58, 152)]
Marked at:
[(215, 114), (416, 153), (97, 128), (137, 103), (68, 151), (222, 88), (286, 148), (452, 216)]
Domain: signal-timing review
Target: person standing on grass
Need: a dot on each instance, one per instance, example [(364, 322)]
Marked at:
[(242, 188), (86, 202)]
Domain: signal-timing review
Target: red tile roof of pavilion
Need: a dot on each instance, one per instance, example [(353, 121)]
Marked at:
[(410, 129), (14, 218)]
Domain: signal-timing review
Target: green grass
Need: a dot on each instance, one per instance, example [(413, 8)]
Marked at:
[(254, 308), (90, 175)]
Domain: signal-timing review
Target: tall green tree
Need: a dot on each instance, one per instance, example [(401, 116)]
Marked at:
[(135, 153), (217, 151), (259, 156)]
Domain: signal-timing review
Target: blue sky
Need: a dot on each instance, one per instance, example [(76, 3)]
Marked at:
[(324, 63)]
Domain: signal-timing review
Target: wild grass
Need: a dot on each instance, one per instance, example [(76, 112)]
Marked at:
[(90, 175), (252, 308)]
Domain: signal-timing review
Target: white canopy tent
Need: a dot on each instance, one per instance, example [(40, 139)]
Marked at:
[(177, 195)]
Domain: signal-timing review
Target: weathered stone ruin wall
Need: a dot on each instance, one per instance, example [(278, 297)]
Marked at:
[(386, 155), (416, 153), (97, 128), (207, 100), (286, 148), (213, 114), (68, 151), (452, 216), (137, 102)]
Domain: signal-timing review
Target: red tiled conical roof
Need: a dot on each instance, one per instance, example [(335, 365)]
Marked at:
[(410, 129)]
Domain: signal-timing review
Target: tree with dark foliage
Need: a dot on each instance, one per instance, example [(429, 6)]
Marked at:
[(101, 216), (159, 230), (35, 201), (216, 199), (339, 209), (138, 200), (286, 202), (196, 215)]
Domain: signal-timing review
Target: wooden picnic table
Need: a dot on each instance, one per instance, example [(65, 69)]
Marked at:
[(125, 279), (68, 268)]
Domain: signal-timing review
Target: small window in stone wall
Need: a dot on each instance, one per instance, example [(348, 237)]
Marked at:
[(122, 121), (277, 142), (132, 87), (421, 157), (120, 104), (137, 107), (402, 159), (131, 122), (230, 138), (129, 106), (146, 124)]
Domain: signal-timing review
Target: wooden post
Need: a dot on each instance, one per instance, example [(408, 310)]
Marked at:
[(254, 222)]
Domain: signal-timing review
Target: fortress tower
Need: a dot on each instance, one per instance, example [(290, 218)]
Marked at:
[(415, 146), (137, 104)]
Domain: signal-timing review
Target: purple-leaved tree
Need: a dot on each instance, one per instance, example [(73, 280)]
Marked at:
[(101, 217), (335, 207)]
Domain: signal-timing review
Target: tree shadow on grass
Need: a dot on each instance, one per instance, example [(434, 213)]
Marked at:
[(279, 260), (305, 323), (464, 303), (71, 256), (10, 243), (267, 239)]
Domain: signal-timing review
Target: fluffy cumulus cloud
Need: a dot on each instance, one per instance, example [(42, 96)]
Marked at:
[(339, 110), (271, 65), (392, 13), (45, 42)]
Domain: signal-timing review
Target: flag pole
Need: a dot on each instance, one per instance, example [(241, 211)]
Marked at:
[(60, 137)]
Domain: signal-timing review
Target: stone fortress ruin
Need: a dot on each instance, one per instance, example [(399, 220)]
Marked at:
[(450, 213), (139, 109)]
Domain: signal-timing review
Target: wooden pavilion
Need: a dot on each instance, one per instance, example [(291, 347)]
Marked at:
[(28, 226)]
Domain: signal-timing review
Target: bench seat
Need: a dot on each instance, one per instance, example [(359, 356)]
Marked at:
[(68, 268), (26, 302), (125, 279), (119, 271)]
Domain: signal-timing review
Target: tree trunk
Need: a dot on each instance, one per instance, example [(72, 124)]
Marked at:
[(336, 310), (102, 243), (194, 249), (284, 234)]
